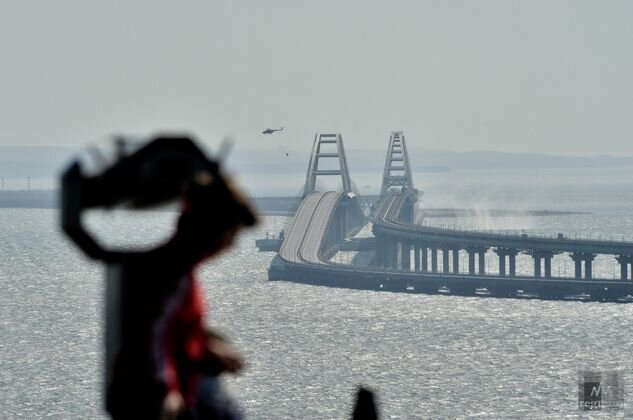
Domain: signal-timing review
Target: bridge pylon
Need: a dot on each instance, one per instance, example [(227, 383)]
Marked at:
[(318, 153), (397, 171)]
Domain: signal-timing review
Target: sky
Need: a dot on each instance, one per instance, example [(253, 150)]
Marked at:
[(537, 76)]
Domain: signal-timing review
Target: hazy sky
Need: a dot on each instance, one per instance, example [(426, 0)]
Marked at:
[(540, 76)]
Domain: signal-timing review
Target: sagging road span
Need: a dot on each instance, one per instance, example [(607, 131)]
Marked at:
[(324, 221)]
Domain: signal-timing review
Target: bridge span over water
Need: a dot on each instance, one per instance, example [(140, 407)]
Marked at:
[(322, 222), (406, 257)]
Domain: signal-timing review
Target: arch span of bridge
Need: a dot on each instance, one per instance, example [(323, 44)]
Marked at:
[(407, 255)]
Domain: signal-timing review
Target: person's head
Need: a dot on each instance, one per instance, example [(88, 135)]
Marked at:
[(213, 213)]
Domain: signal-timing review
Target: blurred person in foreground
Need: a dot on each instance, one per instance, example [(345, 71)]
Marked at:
[(169, 363)]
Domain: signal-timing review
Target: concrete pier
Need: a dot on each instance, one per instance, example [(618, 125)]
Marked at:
[(406, 255), (476, 255), (471, 262), (625, 261), (425, 259), (581, 260), (542, 259), (482, 261), (508, 254), (445, 263), (416, 257)]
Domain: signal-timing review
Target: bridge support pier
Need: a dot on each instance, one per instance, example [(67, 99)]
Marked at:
[(416, 257), (502, 264), (481, 253), (383, 248), (579, 258), (588, 267), (425, 258), (625, 261), (482, 262), (546, 258), (405, 248), (510, 254), (434, 259), (445, 256), (577, 267), (471, 262), (456, 261), (392, 255)]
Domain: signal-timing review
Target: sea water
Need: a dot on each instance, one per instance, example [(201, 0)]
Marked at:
[(307, 348)]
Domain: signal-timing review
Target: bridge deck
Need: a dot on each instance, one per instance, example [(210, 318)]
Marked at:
[(386, 222), (305, 238)]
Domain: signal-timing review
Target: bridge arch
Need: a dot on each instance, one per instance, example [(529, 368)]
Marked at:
[(318, 154), (397, 172)]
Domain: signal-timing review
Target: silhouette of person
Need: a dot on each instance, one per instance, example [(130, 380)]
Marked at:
[(166, 350)]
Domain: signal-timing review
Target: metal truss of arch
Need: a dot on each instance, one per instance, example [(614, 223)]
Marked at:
[(397, 171), (321, 139)]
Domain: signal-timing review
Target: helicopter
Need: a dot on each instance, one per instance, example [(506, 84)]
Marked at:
[(271, 130)]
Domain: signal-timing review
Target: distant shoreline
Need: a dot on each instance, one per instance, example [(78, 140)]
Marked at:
[(268, 206), (37, 162)]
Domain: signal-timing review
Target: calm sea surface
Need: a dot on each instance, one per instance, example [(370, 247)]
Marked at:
[(308, 347)]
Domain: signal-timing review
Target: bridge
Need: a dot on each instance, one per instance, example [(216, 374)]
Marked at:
[(423, 259)]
